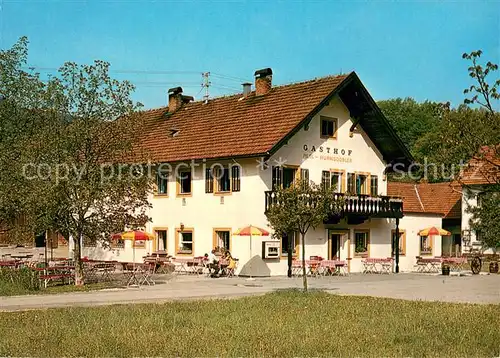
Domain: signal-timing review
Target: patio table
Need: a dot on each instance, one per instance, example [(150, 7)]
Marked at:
[(456, 264), (51, 273), (181, 265), (333, 267), (312, 267), (132, 274), (377, 265), (428, 265)]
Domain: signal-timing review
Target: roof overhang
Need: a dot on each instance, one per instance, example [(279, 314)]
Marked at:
[(367, 114)]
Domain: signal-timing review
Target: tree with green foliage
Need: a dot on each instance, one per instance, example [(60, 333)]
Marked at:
[(486, 215), (298, 208), (64, 166), (411, 119)]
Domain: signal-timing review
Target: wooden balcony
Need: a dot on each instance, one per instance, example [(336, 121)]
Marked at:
[(363, 206)]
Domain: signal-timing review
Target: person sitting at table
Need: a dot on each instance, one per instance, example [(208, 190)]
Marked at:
[(231, 260), (213, 264)]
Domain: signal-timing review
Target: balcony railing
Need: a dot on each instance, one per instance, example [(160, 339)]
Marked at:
[(361, 205)]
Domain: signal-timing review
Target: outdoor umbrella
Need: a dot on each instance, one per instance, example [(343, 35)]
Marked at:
[(134, 235), (251, 231), (430, 231)]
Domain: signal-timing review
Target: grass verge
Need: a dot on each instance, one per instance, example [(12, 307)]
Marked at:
[(281, 324)]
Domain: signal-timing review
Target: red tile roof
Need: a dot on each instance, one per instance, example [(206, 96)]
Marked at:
[(439, 198), (231, 126), (484, 168)]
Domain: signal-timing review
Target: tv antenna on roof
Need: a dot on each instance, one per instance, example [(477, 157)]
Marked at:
[(206, 84)]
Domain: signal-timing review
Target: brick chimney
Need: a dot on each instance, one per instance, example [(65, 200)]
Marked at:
[(174, 99), (263, 81)]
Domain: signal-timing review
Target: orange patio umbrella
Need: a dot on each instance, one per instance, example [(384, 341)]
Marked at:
[(134, 235), (430, 231), (251, 230)]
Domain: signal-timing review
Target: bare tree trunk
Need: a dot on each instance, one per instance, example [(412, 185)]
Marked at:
[(304, 272), (77, 257)]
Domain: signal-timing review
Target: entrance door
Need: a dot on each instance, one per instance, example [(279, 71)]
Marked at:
[(335, 240)]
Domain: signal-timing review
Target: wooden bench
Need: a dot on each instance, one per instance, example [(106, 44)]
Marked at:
[(57, 276)]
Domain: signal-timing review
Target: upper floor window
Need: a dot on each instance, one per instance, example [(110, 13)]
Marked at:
[(334, 179), (184, 182), (358, 184), (284, 177), (328, 127), (162, 181), (225, 179)]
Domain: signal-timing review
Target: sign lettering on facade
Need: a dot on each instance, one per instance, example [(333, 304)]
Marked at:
[(327, 153)]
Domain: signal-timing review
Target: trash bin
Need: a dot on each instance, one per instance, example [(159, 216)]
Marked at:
[(445, 270)]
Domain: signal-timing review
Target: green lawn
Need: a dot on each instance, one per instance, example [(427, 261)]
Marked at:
[(280, 324)]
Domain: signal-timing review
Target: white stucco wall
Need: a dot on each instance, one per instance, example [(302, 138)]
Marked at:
[(411, 224)]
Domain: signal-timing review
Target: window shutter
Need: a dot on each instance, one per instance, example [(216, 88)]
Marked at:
[(277, 174), (235, 177), (209, 181), (325, 179), (304, 176), (374, 185), (351, 185)]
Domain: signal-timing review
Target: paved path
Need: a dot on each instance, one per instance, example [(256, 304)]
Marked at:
[(472, 289)]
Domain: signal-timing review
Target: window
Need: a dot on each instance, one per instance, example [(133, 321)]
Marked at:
[(351, 188), (373, 185), (222, 239), (184, 182), (402, 243), (117, 244), (361, 184), (336, 181), (139, 244), (161, 240), (184, 242), (333, 179), (288, 177), (223, 180), (328, 127), (425, 245), (283, 177), (162, 182), (226, 179), (286, 240), (209, 181), (235, 177), (361, 243)]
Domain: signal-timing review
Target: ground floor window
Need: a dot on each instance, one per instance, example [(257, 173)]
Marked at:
[(222, 240), (140, 244), (161, 239), (289, 239), (402, 243), (425, 245), (117, 244), (361, 243), (184, 241)]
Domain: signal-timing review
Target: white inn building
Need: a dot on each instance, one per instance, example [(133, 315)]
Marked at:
[(229, 154)]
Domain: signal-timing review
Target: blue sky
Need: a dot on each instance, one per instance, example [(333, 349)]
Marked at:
[(398, 49)]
